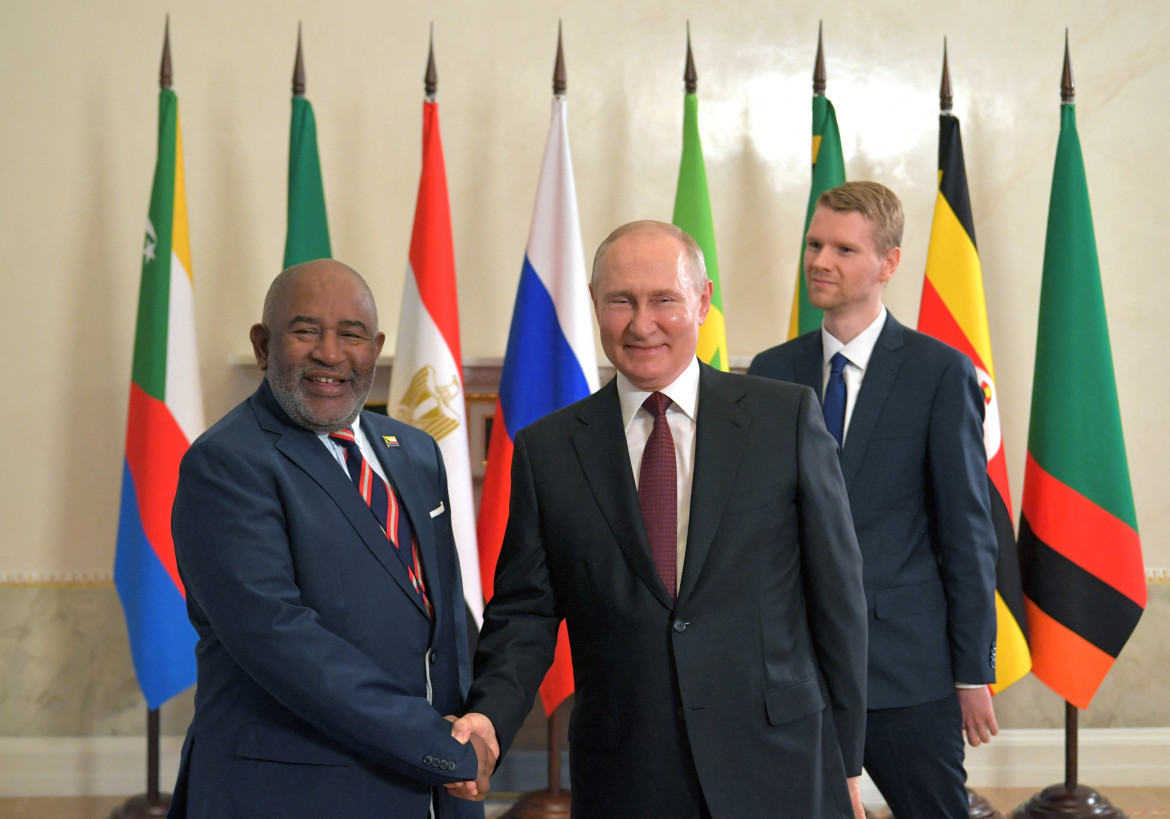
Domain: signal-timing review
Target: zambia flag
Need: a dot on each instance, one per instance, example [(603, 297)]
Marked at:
[(828, 172), (1084, 583), (165, 415), (692, 213), (954, 310)]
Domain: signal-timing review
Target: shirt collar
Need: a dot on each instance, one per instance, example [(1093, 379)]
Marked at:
[(356, 426), (683, 394), (859, 350)]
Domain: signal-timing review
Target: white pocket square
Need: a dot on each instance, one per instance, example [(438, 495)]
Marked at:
[(440, 509)]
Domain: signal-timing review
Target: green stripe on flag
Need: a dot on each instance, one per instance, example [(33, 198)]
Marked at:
[(692, 213), (308, 228), (1075, 427), (150, 336), (828, 171)]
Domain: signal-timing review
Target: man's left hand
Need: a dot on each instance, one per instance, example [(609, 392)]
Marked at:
[(979, 723)]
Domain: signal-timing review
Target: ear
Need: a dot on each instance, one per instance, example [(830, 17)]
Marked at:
[(593, 296), (379, 340), (890, 263), (705, 301), (260, 338)]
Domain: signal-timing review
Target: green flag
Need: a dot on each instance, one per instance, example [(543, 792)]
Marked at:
[(308, 229), (828, 171), (1081, 559), (692, 213)]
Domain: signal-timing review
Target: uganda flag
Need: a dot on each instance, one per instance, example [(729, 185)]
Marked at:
[(954, 310), (165, 415), (692, 213), (307, 237), (1084, 584)]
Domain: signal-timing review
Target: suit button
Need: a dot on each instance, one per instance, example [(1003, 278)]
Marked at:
[(680, 626), (434, 655), (429, 760)]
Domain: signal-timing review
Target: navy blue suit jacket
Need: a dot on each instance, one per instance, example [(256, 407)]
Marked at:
[(916, 470), (756, 671), (314, 650)]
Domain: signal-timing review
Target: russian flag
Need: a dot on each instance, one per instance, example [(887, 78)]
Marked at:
[(551, 360), (165, 415)]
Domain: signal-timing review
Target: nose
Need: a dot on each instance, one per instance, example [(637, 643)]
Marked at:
[(328, 349), (642, 321)]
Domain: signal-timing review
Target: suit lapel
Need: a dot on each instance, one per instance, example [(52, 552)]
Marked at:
[(600, 444), (303, 448), (402, 474), (875, 389), (720, 438)]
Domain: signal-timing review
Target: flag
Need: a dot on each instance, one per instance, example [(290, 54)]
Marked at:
[(550, 361), (954, 310), (308, 229), (1084, 583), (426, 382), (692, 213), (165, 415), (828, 172)]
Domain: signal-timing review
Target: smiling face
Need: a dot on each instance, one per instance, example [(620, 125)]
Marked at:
[(319, 343), (649, 308), (844, 270)]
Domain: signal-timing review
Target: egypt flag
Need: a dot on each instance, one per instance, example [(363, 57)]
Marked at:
[(692, 213), (551, 360), (165, 415), (828, 171), (426, 383), (954, 310), (1084, 584)]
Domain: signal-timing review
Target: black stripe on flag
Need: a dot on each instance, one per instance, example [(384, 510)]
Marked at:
[(1075, 598), (1007, 563), (953, 185)]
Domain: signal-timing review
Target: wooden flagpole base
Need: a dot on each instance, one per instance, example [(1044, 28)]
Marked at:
[(143, 807), (1062, 801), (980, 808)]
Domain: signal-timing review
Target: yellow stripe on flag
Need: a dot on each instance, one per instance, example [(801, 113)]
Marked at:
[(1013, 659), (180, 240), (952, 266), (712, 347)]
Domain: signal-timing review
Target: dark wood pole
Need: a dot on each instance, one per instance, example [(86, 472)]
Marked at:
[(820, 77), (554, 802), (1070, 799), (298, 79)]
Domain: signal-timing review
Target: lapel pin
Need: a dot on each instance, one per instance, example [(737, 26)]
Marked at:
[(390, 440)]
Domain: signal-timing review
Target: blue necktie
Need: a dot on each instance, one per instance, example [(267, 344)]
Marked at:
[(834, 406)]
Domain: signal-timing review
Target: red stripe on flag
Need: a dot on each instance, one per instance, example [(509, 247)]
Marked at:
[(997, 471), (935, 319), (558, 682), (431, 256), (493, 505), (154, 447), (1080, 530), (1063, 660)]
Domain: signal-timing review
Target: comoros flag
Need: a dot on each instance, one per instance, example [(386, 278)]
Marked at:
[(551, 360), (165, 414)]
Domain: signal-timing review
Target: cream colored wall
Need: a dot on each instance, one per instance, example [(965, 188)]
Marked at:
[(78, 98)]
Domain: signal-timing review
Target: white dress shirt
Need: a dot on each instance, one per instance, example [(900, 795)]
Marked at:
[(680, 415), (857, 352), (338, 451)]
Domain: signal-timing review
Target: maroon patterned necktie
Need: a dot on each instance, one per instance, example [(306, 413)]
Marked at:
[(658, 493)]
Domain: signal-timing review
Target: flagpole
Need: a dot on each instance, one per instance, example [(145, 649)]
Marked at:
[(1070, 799), (151, 804), (977, 806), (553, 802)]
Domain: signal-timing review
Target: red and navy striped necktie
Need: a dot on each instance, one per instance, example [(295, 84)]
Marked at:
[(384, 504)]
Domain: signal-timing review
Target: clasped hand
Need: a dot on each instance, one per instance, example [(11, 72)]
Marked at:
[(479, 731)]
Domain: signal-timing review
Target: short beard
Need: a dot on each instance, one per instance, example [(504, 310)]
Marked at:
[(284, 383)]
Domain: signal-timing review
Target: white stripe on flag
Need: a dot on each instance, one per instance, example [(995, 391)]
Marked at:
[(184, 397)]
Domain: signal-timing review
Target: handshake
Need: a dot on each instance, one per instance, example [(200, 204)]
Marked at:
[(477, 729)]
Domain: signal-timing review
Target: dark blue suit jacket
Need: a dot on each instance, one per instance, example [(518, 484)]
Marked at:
[(314, 651), (756, 671), (916, 471)]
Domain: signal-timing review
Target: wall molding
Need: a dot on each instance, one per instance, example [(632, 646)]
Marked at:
[(116, 766)]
